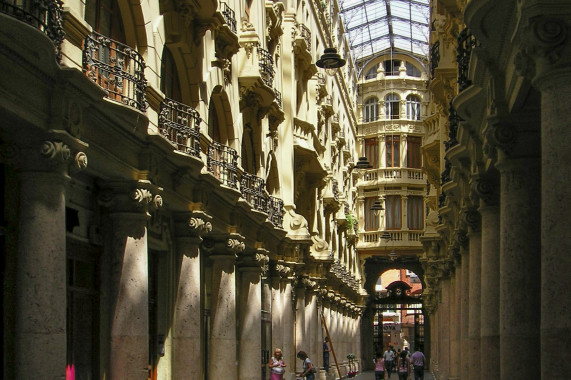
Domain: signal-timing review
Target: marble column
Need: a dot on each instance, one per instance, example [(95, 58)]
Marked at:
[(40, 341), (474, 305), (186, 339), (444, 330), (223, 345), (250, 318), (520, 267), (126, 274), (455, 295), (553, 79), (490, 293)]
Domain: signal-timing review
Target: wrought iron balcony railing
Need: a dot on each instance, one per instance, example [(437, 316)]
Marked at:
[(278, 97), (453, 122), (445, 176), (222, 162), (335, 189), (117, 68), (253, 191), (305, 33), (229, 16), (44, 15), (466, 41), (180, 124), (434, 57), (266, 64), (275, 211)]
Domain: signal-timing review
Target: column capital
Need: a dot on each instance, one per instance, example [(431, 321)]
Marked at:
[(194, 224), (229, 246), (130, 197), (486, 190), (472, 218)]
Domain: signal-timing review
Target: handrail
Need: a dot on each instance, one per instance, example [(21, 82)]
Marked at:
[(180, 124)]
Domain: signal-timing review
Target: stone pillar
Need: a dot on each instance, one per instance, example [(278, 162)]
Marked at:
[(474, 305), (464, 302), (127, 300), (250, 315), (300, 337), (455, 324), (288, 325), (223, 345), (520, 267), (486, 190), (547, 40), (186, 321), (40, 341), (444, 330)]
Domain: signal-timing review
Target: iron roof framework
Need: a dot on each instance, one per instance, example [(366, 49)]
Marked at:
[(373, 26)]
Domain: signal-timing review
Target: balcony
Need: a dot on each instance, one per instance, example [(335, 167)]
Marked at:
[(226, 36), (394, 175), (180, 125), (117, 68), (302, 51), (466, 41), (253, 190), (229, 16), (44, 15), (266, 65), (275, 211), (278, 98), (370, 239), (222, 162), (434, 57), (453, 124)]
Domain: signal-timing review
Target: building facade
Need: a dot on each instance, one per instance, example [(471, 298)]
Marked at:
[(177, 188)]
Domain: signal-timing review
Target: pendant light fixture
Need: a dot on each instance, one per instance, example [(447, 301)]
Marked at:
[(330, 60)]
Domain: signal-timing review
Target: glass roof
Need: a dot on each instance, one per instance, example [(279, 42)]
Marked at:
[(373, 26)]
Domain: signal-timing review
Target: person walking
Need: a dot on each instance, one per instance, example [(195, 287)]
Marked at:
[(326, 354), (389, 357), (418, 361), (403, 366), (379, 366), (308, 369), (277, 365)]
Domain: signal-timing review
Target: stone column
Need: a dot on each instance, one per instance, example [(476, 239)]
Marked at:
[(300, 337), (464, 311), (187, 321), (490, 283), (250, 315), (127, 300), (444, 330), (288, 325), (474, 306), (547, 42), (223, 345), (455, 295), (520, 267), (40, 341)]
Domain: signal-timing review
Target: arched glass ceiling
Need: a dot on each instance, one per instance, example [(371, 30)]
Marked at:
[(376, 25)]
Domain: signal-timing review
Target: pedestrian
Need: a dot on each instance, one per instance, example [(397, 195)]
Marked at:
[(403, 366), (308, 369), (277, 365), (326, 354), (379, 366), (418, 361), (389, 357)]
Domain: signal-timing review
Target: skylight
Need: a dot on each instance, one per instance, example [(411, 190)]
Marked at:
[(373, 26)]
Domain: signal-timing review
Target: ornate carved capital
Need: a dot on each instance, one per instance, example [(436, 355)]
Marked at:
[(502, 136), (130, 196), (198, 226), (472, 218), (486, 190)]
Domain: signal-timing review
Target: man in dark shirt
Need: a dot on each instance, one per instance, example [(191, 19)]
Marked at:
[(326, 354)]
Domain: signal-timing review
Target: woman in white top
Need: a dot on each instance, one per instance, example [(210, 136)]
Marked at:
[(277, 365)]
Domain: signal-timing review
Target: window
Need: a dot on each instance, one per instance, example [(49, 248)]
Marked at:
[(413, 157), (371, 220), (393, 148), (372, 151), (413, 107), (104, 17), (415, 213), (392, 109), (392, 67), (170, 84), (412, 70), (372, 73), (371, 110), (393, 212)]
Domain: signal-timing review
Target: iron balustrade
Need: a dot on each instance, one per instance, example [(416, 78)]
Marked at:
[(180, 124), (266, 64), (441, 201), (275, 211), (305, 33), (445, 176), (222, 162), (278, 97), (117, 68), (453, 123), (335, 189), (466, 41), (44, 15), (434, 57), (229, 16), (253, 190)]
